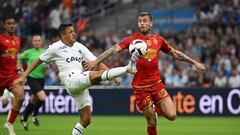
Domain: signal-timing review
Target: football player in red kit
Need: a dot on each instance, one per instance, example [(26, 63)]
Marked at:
[(148, 87), (9, 47)]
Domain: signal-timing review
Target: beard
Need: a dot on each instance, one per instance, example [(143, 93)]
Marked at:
[(144, 31)]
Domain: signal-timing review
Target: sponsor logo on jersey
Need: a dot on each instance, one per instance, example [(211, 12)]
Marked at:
[(10, 52), (71, 59), (151, 54)]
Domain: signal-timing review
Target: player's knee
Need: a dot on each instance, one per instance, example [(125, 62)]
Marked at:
[(42, 99), (172, 116), (20, 99), (41, 96)]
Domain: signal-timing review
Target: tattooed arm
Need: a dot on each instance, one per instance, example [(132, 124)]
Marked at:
[(94, 64), (182, 57), (108, 53)]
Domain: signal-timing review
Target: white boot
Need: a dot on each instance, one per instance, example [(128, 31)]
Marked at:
[(10, 128), (131, 67)]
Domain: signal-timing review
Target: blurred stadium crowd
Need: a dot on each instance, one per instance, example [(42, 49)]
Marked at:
[(213, 39)]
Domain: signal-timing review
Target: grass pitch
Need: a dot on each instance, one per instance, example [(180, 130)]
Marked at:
[(129, 125)]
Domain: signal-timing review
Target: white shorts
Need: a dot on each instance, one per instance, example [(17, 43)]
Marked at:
[(77, 85), (83, 99)]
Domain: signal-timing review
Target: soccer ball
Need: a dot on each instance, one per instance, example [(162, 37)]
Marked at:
[(138, 47)]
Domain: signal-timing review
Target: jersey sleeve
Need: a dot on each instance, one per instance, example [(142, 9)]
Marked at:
[(125, 43), (47, 56), (165, 47), (87, 55)]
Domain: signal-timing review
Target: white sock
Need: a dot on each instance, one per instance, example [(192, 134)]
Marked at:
[(113, 73), (78, 129)]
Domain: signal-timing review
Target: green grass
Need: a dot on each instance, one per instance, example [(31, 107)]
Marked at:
[(130, 125)]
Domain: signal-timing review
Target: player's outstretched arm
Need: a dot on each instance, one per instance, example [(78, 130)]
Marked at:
[(94, 64), (28, 70), (182, 57)]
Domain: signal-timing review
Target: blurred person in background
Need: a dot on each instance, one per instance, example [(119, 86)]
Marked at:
[(234, 79), (9, 48), (220, 80), (148, 88), (35, 81)]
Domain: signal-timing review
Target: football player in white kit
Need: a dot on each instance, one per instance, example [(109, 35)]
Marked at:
[(69, 55)]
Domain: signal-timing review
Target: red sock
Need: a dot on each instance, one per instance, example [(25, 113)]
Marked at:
[(13, 115), (152, 130)]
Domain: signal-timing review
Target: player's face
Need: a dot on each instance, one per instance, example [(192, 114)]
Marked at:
[(144, 24), (10, 26), (37, 42), (70, 35)]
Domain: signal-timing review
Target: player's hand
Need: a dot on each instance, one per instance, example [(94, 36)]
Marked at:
[(90, 65), (19, 81), (199, 67), (116, 81)]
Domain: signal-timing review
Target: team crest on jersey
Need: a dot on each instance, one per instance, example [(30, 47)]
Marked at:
[(155, 41), (149, 43), (80, 51)]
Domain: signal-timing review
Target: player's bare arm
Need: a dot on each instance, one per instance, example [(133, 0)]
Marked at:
[(28, 70), (103, 56), (182, 57)]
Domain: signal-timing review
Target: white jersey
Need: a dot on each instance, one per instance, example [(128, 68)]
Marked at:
[(67, 58)]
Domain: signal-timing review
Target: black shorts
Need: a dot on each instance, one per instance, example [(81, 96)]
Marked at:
[(35, 84)]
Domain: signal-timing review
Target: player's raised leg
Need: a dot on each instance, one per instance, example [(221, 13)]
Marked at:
[(97, 76), (168, 108)]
